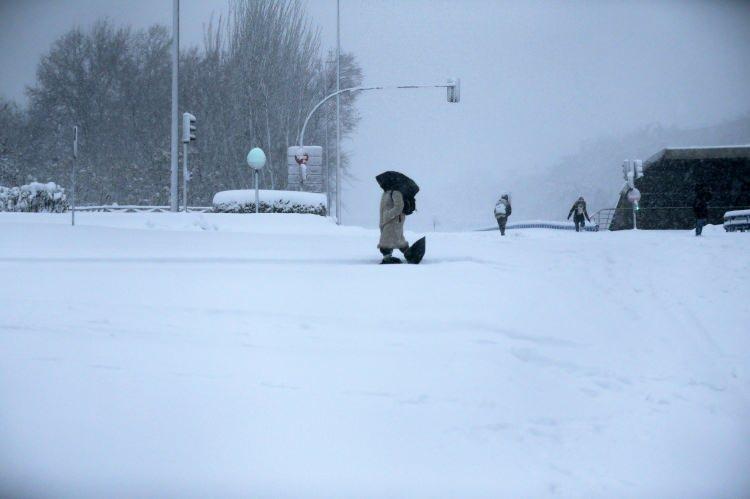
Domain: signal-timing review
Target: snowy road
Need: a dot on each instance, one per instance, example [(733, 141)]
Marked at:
[(235, 355)]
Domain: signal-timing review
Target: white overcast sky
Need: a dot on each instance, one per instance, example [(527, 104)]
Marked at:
[(538, 78)]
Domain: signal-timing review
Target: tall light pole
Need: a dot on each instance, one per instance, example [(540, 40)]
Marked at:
[(338, 112), (173, 202), (326, 148)]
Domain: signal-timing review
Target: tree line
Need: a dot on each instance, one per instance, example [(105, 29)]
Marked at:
[(256, 75)]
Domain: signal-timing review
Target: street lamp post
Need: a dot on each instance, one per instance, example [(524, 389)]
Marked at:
[(173, 201), (454, 95), (453, 87), (256, 159)]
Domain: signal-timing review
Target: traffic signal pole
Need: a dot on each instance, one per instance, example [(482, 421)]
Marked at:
[(188, 135), (185, 174)]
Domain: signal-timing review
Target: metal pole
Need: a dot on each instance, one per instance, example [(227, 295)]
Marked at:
[(185, 174), (173, 201), (327, 153), (338, 112), (257, 194), (73, 179), (635, 227)]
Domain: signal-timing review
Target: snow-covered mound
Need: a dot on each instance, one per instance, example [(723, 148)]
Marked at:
[(243, 201), (33, 197), (142, 355)]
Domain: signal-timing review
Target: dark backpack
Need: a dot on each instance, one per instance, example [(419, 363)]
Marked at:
[(410, 204)]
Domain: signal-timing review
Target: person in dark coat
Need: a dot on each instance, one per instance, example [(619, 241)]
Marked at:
[(502, 212), (700, 208), (579, 208)]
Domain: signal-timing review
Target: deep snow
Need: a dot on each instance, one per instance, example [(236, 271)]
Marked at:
[(267, 355)]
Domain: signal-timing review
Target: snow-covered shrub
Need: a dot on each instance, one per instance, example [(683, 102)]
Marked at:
[(34, 197), (243, 201)]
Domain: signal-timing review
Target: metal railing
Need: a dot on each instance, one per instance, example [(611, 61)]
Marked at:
[(543, 224), (603, 218), (138, 209)]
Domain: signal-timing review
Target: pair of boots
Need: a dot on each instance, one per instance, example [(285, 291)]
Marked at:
[(388, 255)]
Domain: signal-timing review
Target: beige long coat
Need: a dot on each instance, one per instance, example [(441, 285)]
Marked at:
[(392, 221)]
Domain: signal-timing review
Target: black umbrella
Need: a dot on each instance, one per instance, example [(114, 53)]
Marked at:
[(396, 181)]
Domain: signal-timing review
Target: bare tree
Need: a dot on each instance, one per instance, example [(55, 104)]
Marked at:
[(253, 81)]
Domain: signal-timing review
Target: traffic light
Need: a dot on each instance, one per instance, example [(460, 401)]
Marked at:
[(626, 170), (638, 168), (188, 128), (454, 90)]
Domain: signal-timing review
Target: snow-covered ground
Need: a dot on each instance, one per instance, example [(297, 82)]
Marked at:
[(170, 355)]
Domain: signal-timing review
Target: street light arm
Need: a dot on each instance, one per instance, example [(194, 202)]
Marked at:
[(355, 89)]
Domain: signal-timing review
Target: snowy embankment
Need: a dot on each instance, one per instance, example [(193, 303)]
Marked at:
[(213, 355)]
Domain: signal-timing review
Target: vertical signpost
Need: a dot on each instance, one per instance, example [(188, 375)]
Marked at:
[(256, 159), (73, 178)]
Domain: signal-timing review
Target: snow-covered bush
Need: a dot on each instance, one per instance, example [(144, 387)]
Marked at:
[(243, 201), (34, 197)]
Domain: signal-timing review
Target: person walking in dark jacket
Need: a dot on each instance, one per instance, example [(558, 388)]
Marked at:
[(579, 208), (502, 212), (700, 208)]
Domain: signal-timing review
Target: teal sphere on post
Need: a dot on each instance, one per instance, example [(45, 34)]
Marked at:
[(256, 158)]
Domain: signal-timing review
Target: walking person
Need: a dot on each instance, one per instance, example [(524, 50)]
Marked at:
[(397, 202), (581, 215), (700, 208), (392, 221), (502, 212)]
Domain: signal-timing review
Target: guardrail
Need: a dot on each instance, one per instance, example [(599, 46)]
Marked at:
[(543, 224), (603, 218), (139, 209)]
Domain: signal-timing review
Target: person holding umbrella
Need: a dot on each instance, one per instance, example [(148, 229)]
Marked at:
[(398, 201)]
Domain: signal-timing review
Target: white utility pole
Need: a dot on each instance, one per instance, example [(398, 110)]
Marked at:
[(173, 201), (73, 177), (338, 112)]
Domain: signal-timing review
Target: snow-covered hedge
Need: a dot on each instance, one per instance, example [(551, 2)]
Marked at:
[(243, 201), (35, 197)]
